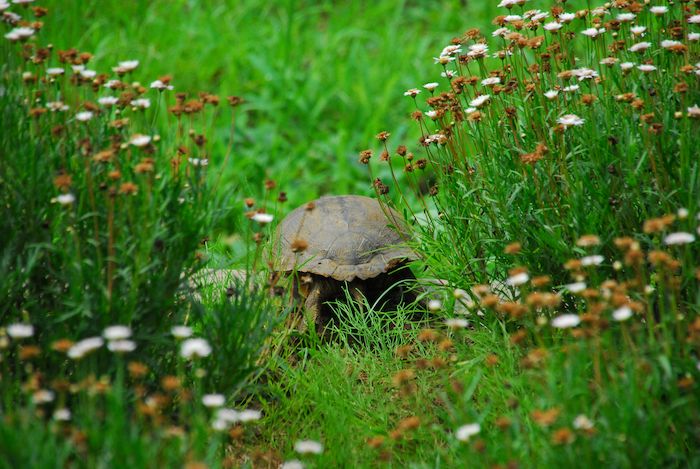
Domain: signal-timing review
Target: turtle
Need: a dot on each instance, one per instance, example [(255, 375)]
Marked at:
[(344, 242)]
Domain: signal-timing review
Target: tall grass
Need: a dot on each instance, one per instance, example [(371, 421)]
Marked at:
[(105, 221)]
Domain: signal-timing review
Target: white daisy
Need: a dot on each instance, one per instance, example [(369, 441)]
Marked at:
[(308, 447), (20, 331), (566, 321), (262, 218), (465, 432), (622, 313), (84, 116), (65, 199), (195, 348), (681, 237), (480, 100)]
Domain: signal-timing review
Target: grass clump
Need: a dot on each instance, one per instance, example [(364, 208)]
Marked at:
[(106, 352)]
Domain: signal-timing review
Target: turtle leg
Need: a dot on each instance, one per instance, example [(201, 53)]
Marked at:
[(313, 302), (358, 291)]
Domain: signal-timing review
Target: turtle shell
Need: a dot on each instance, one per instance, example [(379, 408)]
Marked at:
[(346, 237)]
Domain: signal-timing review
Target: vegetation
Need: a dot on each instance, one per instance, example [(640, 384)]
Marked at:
[(549, 177)]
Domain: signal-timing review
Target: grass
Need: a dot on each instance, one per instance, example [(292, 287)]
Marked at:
[(559, 214), (310, 72)]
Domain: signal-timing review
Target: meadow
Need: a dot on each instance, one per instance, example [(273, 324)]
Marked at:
[(544, 155)]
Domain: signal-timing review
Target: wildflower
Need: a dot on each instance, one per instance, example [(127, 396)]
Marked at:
[(141, 103), (116, 333), (536, 15), (20, 331), (292, 464), (694, 36), (609, 61), (593, 32), (456, 323), (108, 100), (694, 111), (113, 84), (65, 199), (81, 348), (576, 287), (88, 74), (640, 47), (694, 19), (622, 313), (445, 74), (434, 305), (659, 10), (584, 73), (512, 18), (626, 65), (4, 5), (465, 432), (545, 417), (196, 347), (480, 100), (588, 241), (625, 17), (581, 422), (638, 30), (249, 415), (62, 415), (553, 26), (511, 3), (490, 81), (551, 94), (563, 436), (125, 66), (308, 447), (678, 238), (262, 218), (55, 71), (198, 161), (139, 140), (413, 92), (227, 415), (443, 60), (477, 50), (569, 120), (518, 279), (77, 68), (566, 17), (43, 396), (431, 86), (432, 114), (121, 346), (84, 116), (19, 34), (219, 425), (669, 44), (646, 68), (213, 400), (592, 260), (500, 32), (160, 85), (452, 49), (181, 332), (566, 321)]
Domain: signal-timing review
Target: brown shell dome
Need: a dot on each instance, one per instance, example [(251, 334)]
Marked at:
[(346, 237)]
